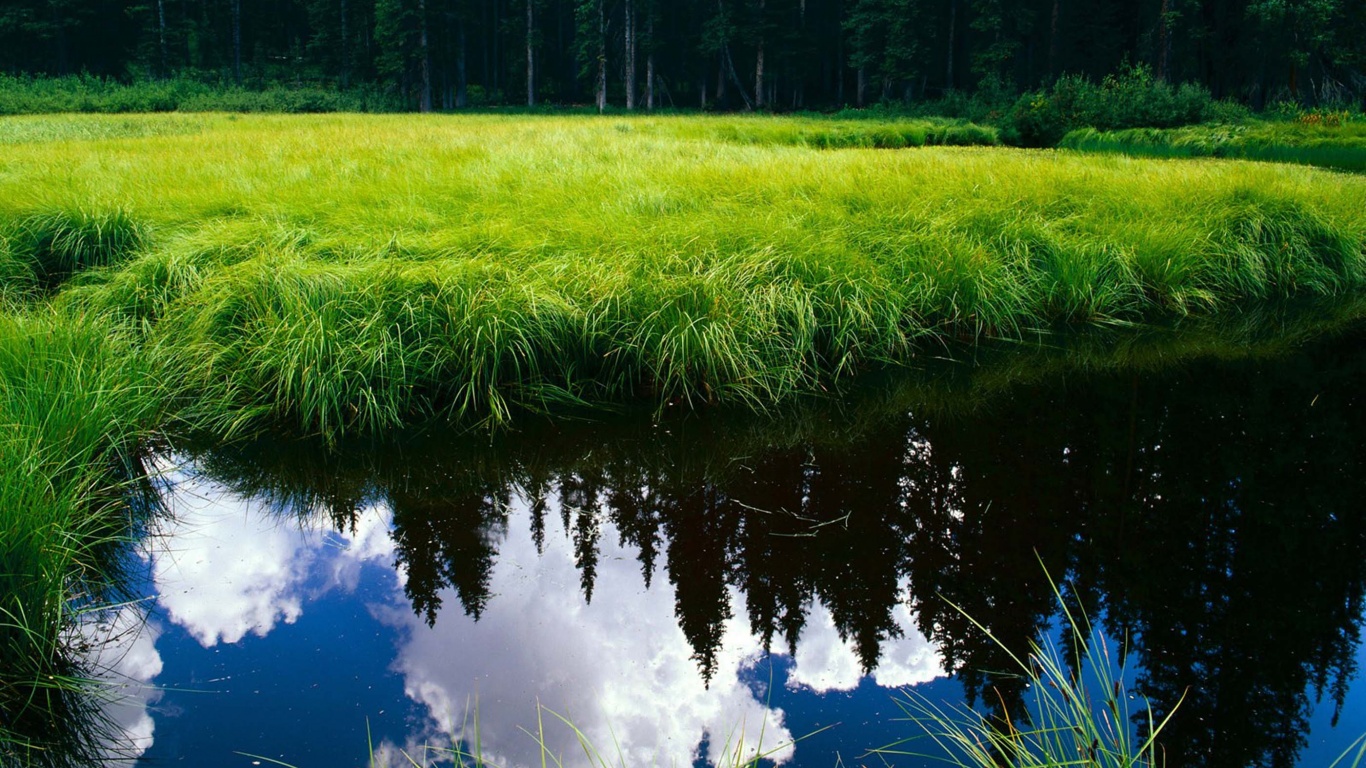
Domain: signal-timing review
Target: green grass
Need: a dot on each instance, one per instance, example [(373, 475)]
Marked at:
[(352, 273), (829, 133), (73, 401), (1336, 144), (1077, 711)]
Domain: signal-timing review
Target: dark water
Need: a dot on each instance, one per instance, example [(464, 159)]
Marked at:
[(691, 583)]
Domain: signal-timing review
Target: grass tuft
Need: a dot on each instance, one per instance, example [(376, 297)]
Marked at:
[(60, 242), (1078, 713)]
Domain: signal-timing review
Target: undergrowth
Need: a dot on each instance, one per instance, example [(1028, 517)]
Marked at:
[(1335, 144)]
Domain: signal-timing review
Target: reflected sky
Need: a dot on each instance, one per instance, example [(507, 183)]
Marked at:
[(229, 571)]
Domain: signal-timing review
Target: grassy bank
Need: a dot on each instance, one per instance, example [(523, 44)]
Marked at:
[(1339, 144), (357, 273), (74, 399)]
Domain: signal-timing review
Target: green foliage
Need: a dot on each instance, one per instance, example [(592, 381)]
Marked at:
[(1336, 142), (1134, 99), (56, 243), (890, 39), (868, 131), (27, 95)]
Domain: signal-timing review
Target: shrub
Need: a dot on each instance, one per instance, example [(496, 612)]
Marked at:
[(1132, 99)]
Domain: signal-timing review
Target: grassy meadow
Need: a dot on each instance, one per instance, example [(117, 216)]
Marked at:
[(342, 275), (339, 273)]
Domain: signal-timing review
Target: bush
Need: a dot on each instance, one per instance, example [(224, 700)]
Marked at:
[(85, 93), (1132, 99)]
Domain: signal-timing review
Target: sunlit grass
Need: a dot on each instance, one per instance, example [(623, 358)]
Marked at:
[(337, 273)]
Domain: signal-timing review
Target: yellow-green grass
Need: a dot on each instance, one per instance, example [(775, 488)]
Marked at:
[(358, 272), (1337, 144)]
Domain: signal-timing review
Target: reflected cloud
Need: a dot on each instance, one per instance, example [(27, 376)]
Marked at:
[(125, 661), (223, 571), (826, 662), (619, 668), (224, 567)]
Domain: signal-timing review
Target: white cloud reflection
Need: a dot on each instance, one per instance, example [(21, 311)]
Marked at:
[(224, 567), (620, 668), (125, 660), (825, 663)]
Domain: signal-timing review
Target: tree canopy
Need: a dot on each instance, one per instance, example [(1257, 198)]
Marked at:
[(778, 54)]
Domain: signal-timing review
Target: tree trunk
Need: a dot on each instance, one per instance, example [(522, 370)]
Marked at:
[(630, 64), (1053, 39), (1163, 41), (953, 24), (161, 35), (862, 87), (345, 48), (650, 61), (721, 80), (462, 92), (799, 90), (237, 42), (739, 86), (493, 33), (602, 56), (839, 70), (425, 100), (530, 55), (759, 63)]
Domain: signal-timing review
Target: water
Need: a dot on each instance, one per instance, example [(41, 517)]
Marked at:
[(677, 586)]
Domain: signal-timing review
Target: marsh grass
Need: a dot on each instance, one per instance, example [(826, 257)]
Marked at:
[(1078, 711), (73, 401), (1341, 146), (350, 273), (828, 133)]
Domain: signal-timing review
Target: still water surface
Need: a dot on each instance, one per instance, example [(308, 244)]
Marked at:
[(674, 585)]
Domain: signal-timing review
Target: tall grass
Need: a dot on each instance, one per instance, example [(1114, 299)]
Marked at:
[(1341, 145), (1078, 712), (828, 133), (73, 400), (343, 273)]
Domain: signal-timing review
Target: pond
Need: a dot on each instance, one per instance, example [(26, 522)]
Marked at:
[(678, 585)]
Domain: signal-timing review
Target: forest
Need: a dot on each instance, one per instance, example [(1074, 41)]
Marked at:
[(710, 54)]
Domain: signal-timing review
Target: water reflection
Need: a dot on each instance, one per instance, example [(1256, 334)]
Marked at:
[(227, 567), (1209, 514)]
